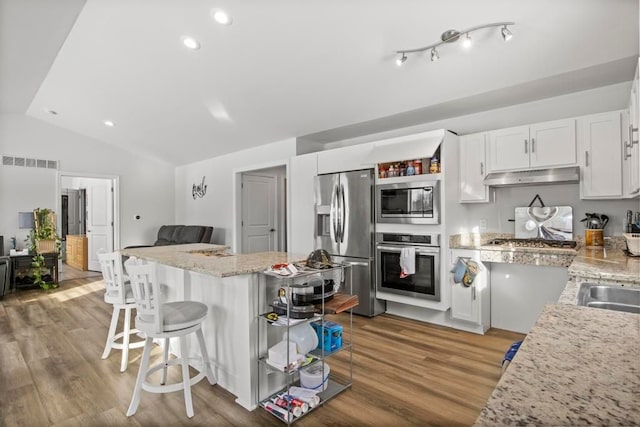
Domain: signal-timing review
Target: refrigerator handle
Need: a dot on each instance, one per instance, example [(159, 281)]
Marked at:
[(343, 213), (333, 214)]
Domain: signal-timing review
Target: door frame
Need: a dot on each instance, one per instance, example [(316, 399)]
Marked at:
[(115, 183), (237, 201)]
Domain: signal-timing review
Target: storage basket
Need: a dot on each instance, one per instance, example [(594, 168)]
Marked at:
[(45, 246), (633, 242)]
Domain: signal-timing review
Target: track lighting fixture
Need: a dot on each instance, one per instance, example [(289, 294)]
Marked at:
[(506, 34), (467, 42), (451, 36), (434, 55)]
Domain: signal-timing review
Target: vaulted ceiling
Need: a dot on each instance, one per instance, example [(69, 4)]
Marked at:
[(287, 68)]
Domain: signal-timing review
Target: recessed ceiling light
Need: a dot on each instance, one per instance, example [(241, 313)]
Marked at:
[(190, 42), (221, 17), (52, 112), (109, 123)]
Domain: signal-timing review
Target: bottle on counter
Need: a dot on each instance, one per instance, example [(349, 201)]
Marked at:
[(403, 169), (382, 171), (392, 172), (410, 168), (434, 167), (417, 166)]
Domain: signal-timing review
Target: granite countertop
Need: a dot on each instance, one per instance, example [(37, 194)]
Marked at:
[(212, 259), (556, 257), (577, 366)]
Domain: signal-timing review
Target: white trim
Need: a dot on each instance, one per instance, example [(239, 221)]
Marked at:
[(115, 181), (237, 198)]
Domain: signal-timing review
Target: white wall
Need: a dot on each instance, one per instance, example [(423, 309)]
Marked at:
[(507, 199), (216, 208), (146, 185), (606, 98)]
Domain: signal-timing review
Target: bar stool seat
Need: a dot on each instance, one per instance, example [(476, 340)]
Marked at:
[(165, 320), (119, 294)]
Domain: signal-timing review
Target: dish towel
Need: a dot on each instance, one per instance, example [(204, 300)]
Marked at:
[(407, 262)]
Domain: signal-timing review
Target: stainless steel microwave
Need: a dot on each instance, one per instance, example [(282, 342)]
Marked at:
[(408, 202)]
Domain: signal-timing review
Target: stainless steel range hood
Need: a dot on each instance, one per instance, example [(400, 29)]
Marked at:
[(534, 177)]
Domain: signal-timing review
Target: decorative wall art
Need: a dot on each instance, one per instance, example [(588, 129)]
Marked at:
[(199, 190)]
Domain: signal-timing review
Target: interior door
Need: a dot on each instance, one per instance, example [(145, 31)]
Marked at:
[(258, 213), (99, 219)]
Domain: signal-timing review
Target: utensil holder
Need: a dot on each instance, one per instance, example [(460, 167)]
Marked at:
[(594, 237)]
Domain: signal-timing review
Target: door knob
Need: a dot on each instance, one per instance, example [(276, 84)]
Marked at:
[(272, 230)]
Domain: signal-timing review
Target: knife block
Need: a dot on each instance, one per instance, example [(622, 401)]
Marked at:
[(594, 237)]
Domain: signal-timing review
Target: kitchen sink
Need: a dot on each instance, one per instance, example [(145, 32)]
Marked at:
[(609, 297)]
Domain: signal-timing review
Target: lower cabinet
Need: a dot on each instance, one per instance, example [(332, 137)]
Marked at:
[(471, 304)]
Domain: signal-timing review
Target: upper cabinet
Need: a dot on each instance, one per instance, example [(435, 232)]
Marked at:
[(630, 145), (343, 159), (473, 169), (537, 146), (601, 156)]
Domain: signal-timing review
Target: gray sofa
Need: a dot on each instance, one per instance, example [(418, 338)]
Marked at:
[(180, 235)]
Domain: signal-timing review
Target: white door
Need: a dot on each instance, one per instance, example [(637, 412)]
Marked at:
[(99, 219), (509, 149), (258, 213)]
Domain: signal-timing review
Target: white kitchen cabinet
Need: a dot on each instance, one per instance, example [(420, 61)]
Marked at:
[(509, 149), (601, 156), (630, 144), (303, 170), (344, 159), (536, 146), (473, 169), (471, 304)]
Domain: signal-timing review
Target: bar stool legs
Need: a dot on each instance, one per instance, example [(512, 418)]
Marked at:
[(187, 381), (113, 337)]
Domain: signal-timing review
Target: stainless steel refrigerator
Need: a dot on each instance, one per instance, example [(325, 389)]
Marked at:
[(345, 228)]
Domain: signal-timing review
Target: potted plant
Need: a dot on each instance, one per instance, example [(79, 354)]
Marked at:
[(43, 239)]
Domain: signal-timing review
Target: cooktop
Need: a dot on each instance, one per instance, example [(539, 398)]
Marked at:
[(533, 243)]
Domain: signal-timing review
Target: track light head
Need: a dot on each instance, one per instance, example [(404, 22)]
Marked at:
[(401, 60), (506, 34), (467, 41), (434, 55)]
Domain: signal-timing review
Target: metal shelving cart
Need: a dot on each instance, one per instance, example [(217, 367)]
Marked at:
[(281, 382)]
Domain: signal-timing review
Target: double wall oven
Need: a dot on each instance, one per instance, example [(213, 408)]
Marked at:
[(425, 282)]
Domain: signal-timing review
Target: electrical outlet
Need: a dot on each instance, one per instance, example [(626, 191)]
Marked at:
[(483, 224)]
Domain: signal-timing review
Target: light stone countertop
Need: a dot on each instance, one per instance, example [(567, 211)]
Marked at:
[(577, 366), (556, 257), (211, 259)]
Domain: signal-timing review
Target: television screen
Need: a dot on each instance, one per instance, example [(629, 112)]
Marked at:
[(25, 220)]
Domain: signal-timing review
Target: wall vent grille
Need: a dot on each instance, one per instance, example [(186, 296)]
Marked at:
[(29, 163)]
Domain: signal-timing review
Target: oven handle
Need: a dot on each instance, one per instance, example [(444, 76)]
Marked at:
[(419, 250)]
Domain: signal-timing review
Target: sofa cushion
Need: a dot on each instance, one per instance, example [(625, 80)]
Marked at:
[(167, 235), (190, 234)]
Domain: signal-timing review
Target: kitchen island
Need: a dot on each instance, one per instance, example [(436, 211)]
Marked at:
[(229, 285), (578, 365)]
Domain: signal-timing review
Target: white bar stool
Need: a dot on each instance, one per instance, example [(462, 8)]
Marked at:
[(165, 320), (118, 293)]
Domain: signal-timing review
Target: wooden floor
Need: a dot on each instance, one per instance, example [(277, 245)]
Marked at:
[(405, 372)]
